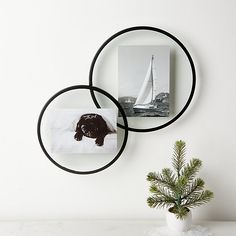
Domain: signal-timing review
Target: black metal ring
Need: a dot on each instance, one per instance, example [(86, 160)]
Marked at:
[(159, 31), (91, 88)]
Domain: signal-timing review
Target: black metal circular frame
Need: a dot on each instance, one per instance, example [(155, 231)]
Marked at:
[(155, 30), (91, 88)]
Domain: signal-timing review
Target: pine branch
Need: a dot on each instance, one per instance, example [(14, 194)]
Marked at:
[(194, 188), (169, 176), (180, 212), (181, 185), (191, 169), (178, 156), (152, 177), (156, 201), (159, 179), (162, 192), (199, 199)]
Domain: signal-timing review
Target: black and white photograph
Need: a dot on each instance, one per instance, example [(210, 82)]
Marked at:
[(83, 131), (143, 76)]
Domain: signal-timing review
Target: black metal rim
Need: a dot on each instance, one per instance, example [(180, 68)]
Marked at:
[(91, 88), (168, 35)]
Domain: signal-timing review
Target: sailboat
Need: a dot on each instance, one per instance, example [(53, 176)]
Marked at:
[(145, 101)]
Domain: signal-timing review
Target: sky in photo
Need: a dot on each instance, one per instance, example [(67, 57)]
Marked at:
[(133, 62)]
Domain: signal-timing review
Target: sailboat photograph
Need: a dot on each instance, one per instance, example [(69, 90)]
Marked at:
[(145, 85)]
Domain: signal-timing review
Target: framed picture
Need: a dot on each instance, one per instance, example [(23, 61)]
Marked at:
[(144, 75), (83, 131)]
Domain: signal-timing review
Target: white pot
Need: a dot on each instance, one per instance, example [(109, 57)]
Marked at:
[(178, 225)]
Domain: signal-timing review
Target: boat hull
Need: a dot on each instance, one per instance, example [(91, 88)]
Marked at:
[(145, 108)]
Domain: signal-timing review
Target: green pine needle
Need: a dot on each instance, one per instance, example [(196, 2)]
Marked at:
[(178, 156), (191, 169), (161, 180), (199, 199), (180, 212), (194, 188), (169, 176)]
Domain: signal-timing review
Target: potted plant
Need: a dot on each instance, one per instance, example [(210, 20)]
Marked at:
[(178, 189)]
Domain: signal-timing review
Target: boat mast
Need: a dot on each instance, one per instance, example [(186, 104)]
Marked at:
[(152, 76)]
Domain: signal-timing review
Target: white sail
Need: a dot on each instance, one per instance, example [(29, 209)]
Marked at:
[(148, 90), (154, 77)]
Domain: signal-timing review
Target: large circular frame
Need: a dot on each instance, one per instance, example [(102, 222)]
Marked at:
[(136, 28), (91, 88)]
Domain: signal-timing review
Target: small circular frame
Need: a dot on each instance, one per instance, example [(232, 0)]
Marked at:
[(136, 28), (91, 88)]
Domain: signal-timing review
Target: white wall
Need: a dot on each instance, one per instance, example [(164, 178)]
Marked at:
[(48, 45)]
